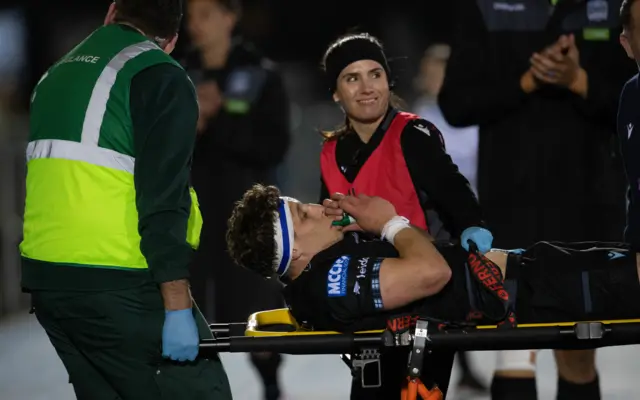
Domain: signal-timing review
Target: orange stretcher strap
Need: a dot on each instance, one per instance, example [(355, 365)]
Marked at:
[(415, 388)]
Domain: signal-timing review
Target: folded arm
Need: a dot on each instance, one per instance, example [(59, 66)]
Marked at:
[(419, 271)]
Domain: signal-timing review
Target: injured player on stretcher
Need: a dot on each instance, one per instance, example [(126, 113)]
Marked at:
[(359, 280)]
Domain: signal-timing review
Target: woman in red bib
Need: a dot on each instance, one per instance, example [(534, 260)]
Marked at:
[(381, 151)]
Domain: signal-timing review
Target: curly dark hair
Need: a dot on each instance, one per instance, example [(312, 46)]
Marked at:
[(250, 231)]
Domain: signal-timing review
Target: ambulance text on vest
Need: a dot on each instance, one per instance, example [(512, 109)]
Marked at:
[(81, 58)]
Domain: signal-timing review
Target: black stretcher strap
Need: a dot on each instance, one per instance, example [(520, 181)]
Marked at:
[(488, 275), (514, 264), (586, 292), (471, 291)]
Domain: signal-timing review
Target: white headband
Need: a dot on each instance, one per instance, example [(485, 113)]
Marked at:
[(283, 225)]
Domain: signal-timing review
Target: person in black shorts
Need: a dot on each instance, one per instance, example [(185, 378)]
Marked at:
[(359, 277)]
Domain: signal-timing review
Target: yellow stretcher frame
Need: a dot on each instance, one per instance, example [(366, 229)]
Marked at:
[(364, 347), (282, 316)]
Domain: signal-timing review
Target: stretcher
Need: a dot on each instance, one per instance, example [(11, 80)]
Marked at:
[(278, 331)]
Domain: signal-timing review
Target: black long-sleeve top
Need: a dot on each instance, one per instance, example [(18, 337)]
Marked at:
[(629, 134), (551, 147), (482, 83), (435, 176), (164, 139)]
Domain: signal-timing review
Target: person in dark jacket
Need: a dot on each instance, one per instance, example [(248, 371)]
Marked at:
[(628, 116), (541, 80), (243, 136)]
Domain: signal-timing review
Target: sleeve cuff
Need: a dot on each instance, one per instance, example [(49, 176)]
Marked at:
[(175, 274), (376, 293)]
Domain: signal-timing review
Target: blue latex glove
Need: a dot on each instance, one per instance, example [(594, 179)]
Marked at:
[(482, 238), (180, 338)]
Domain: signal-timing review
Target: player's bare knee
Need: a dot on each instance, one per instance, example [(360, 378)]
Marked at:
[(516, 364), (577, 366)]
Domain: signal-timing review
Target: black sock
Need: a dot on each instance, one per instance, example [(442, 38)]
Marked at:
[(513, 388), (463, 361), (267, 366), (583, 391)]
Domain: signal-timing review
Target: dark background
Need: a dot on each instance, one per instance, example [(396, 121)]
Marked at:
[(285, 30)]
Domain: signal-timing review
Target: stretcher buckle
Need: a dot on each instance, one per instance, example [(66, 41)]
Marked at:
[(416, 357), (589, 330), (366, 364)]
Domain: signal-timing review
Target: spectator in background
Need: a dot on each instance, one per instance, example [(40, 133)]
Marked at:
[(461, 144), (243, 137), (541, 81)]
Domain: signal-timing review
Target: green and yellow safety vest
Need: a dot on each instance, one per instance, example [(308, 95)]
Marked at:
[(80, 195)]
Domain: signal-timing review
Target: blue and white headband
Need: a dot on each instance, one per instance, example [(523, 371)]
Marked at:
[(283, 225)]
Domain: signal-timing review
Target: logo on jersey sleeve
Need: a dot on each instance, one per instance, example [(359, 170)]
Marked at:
[(422, 128), (614, 254), (337, 277), (362, 273)]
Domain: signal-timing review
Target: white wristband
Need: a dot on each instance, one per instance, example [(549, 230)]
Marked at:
[(393, 226)]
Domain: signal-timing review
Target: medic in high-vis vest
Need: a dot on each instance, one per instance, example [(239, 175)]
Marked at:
[(110, 221), (384, 152)]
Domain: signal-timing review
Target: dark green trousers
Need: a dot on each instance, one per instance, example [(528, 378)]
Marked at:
[(111, 345)]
